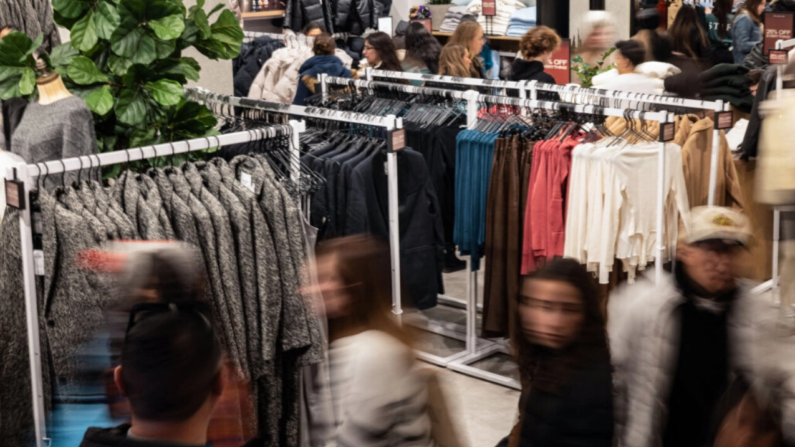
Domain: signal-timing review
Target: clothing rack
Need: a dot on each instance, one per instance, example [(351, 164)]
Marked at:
[(292, 38), (27, 175), (478, 348), (533, 87), (774, 283)]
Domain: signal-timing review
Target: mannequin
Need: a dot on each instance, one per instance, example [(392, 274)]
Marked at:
[(50, 85)]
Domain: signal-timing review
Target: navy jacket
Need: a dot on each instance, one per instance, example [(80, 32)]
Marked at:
[(311, 69)]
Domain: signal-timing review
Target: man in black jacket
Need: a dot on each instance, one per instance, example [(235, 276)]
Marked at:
[(171, 373)]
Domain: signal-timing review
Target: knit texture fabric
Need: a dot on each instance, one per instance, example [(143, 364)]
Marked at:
[(32, 17)]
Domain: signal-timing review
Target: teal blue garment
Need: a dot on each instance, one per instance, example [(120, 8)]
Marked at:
[(715, 41), (411, 68), (488, 61), (474, 158)]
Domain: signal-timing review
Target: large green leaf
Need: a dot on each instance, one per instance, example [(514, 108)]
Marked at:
[(143, 137), (215, 9), (9, 88), (28, 81), (10, 72), (133, 9), (119, 65), (227, 29), (35, 45), (200, 18), (63, 54), (83, 71), (84, 33), (106, 20), (165, 91), (131, 107), (189, 36), (70, 9), (190, 68), (169, 27), (100, 101), (138, 75), (15, 49), (127, 38), (147, 50), (164, 48), (159, 9)]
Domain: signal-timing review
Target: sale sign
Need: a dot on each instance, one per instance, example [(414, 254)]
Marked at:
[(778, 26), (489, 8), (559, 64)]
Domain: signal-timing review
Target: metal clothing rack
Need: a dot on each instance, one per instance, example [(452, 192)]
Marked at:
[(478, 348), (774, 283), (297, 39), (583, 95), (27, 174)]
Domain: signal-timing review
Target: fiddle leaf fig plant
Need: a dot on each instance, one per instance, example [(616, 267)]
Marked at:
[(125, 59)]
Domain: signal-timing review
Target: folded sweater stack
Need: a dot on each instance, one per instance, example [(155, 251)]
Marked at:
[(453, 18), (496, 25), (521, 21)]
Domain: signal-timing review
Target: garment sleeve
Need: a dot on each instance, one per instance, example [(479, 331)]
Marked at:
[(734, 191), (528, 258), (741, 31), (258, 85), (608, 234), (572, 247)]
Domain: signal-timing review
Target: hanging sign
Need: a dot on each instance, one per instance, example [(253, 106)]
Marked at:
[(724, 120), (489, 8), (778, 26), (667, 132), (397, 140), (777, 57), (559, 64), (15, 194)]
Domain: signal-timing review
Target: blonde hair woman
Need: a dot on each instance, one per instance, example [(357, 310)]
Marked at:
[(455, 61), (470, 36)]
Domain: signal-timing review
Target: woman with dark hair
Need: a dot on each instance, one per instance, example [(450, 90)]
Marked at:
[(560, 343), (687, 36), (747, 29), (422, 50), (381, 53), (312, 29), (377, 391)]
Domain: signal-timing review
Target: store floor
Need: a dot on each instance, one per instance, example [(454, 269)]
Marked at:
[(483, 412)]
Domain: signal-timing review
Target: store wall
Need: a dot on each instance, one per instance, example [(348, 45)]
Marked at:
[(618, 10)]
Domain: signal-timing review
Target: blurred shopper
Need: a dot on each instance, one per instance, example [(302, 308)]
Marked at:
[(718, 22), (599, 37), (676, 344), (747, 29), (454, 61), (629, 54), (381, 53), (324, 61), (379, 395), (470, 36), (171, 372), (422, 50), (312, 29), (564, 361), (536, 47), (687, 36)]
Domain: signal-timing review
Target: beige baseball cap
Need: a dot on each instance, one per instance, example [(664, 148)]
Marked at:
[(717, 222)]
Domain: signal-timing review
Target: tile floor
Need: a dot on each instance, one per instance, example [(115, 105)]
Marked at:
[(484, 412)]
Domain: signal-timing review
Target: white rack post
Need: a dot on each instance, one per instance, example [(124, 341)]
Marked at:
[(298, 127), (394, 223)]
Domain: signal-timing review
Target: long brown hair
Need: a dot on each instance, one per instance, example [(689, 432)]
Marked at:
[(550, 373), (451, 61), (387, 51), (750, 8), (464, 35), (681, 32), (364, 265)]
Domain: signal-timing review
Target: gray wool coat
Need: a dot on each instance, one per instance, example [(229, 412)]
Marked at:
[(146, 218), (87, 195), (69, 198), (113, 210), (227, 263)]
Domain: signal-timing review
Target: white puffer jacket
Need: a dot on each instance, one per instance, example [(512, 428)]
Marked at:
[(643, 326), (278, 79)]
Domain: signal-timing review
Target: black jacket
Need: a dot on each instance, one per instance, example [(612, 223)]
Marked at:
[(299, 13), (523, 70), (354, 16), (421, 231), (250, 61), (750, 144), (580, 416), (117, 437)]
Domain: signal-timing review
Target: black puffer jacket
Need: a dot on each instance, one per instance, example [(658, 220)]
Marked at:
[(355, 16), (250, 61), (299, 13)]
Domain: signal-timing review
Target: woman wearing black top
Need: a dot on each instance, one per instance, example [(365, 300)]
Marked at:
[(561, 347), (536, 47)]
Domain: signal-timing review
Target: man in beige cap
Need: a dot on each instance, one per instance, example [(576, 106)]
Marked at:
[(678, 343)]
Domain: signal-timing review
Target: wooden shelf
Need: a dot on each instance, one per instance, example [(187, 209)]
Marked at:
[(261, 15)]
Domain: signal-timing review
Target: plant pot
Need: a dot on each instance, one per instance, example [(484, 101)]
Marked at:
[(437, 15)]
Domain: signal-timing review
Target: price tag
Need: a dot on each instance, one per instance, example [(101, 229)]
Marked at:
[(724, 120), (38, 262), (489, 8), (15, 194), (397, 140), (667, 132), (778, 57), (245, 180)]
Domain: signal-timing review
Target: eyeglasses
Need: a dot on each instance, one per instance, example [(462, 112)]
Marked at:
[(367, 48), (141, 311)]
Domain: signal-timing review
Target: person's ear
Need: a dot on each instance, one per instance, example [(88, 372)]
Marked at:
[(117, 378), (684, 253)]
